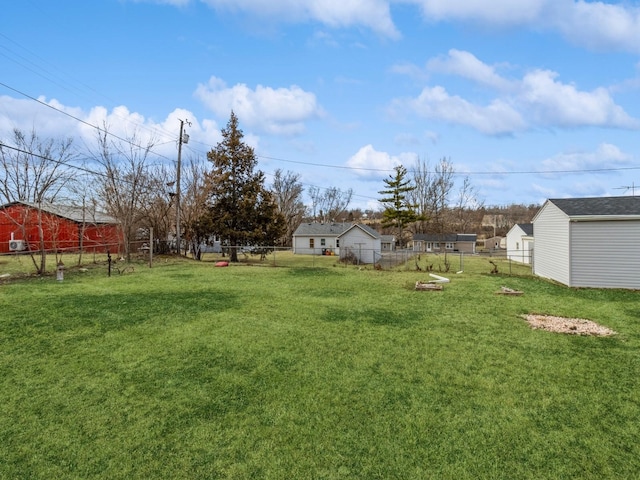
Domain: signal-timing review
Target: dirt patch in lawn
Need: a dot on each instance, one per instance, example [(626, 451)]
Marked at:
[(571, 326)]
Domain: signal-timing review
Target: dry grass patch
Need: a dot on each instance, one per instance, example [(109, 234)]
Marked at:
[(571, 326)]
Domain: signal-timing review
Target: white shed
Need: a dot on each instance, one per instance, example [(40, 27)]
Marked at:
[(520, 242), (589, 242), (363, 242)]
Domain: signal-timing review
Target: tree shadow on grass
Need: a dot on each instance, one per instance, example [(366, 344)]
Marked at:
[(112, 312)]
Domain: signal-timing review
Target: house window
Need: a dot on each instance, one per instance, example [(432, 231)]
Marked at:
[(311, 243), (337, 242), (517, 245), (449, 245), (322, 242)]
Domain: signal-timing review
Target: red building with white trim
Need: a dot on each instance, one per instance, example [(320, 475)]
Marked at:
[(64, 229)]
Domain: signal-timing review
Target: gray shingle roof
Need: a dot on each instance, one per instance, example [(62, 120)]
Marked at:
[(598, 206), (367, 229), (329, 229), (70, 212), (449, 237), (527, 228)]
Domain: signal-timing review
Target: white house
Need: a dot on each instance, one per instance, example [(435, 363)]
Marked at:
[(589, 242), (388, 243), (453, 242), (318, 238), (520, 242), (338, 239), (361, 241)]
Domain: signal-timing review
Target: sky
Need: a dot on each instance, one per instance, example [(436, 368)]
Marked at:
[(529, 99)]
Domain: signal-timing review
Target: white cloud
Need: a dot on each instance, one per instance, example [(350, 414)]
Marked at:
[(599, 25), (557, 104), (280, 111), (467, 65), (594, 24), (371, 163), (537, 100), (496, 118), (373, 14), (52, 119), (606, 156)]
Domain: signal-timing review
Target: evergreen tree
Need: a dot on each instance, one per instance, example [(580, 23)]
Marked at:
[(398, 212), (241, 210)]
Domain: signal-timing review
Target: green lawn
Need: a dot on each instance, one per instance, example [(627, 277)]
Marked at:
[(189, 371)]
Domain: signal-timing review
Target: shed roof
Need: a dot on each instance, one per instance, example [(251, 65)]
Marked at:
[(76, 214), (367, 229), (598, 206), (527, 228)]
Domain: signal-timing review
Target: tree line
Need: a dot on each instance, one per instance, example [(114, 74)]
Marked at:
[(226, 197)]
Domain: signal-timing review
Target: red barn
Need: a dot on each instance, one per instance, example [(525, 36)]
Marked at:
[(64, 228)]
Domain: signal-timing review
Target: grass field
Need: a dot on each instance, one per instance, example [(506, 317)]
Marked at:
[(189, 371)]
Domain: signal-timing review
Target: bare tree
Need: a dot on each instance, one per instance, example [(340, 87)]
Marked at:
[(329, 203), (35, 171), (287, 191), (157, 205), (194, 205), (124, 184), (468, 204)]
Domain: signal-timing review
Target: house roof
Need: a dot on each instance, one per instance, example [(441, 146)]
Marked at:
[(527, 228), (448, 237), (598, 206), (75, 214), (328, 229), (388, 238)]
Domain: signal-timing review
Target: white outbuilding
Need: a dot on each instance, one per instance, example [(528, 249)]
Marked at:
[(520, 243), (589, 242)]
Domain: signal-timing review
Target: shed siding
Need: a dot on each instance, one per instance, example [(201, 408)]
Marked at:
[(360, 244), (516, 250), (605, 254), (551, 252)]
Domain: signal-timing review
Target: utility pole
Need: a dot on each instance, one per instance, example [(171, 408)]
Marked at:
[(184, 138)]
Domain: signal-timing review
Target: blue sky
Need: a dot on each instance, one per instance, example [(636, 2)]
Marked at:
[(532, 99)]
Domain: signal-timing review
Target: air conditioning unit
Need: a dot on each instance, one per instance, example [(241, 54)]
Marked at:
[(17, 245)]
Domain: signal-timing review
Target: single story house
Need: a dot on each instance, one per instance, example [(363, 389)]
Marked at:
[(452, 242), (388, 243), (589, 242), (318, 238), (64, 228), (520, 243), (338, 239)]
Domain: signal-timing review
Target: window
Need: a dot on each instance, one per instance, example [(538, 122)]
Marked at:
[(517, 245), (311, 243), (449, 245), (337, 242), (322, 242)]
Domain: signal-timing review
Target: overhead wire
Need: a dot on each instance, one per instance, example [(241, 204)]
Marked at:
[(52, 77)]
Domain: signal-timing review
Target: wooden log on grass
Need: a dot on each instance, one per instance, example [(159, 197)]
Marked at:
[(428, 286)]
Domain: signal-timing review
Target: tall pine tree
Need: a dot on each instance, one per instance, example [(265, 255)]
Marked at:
[(398, 212), (241, 210)]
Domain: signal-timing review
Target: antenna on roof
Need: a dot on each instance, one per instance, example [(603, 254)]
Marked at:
[(632, 187)]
